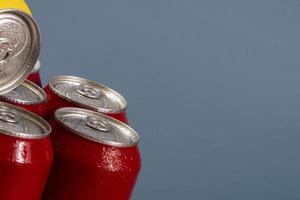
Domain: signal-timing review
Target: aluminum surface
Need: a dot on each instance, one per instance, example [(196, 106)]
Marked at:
[(17, 122), (97, 127), (27, 93), (88, 94), (19, 48)]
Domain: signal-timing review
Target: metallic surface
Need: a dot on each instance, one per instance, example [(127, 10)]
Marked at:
[(17, 122), (97, 127), (27, 93), (88, 94), (85, 169), (24, 167), (35, 78), (19, 48)]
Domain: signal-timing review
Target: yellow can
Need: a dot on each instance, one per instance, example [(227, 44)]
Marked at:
[(15, 4)]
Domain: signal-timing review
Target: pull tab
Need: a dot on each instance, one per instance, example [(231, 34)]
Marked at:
[(6, 50), (8, 116), (97, 124), (88, 91)]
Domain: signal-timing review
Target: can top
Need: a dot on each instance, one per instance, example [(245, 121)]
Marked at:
[(97, 127), (20, 123), (88, 94), (27, 93), (19, 48)]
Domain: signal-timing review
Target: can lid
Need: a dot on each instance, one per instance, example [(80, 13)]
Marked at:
[(19, 48), (36, 67), (88, 94), (97, 127), (20, 123), (27, 93)]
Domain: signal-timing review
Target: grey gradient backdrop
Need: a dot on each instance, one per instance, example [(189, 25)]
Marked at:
[(212, 86)]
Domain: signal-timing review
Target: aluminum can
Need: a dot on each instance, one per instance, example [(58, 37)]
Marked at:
[(19, 47), (29, 96), (71, 91), (25, 153), (35, 76), (96, 157)]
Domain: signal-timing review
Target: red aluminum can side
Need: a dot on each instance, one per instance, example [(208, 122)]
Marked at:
[(25, 154), (71, 91), (122, 116), (86, 167), (24, 167), (28, 96), (35, 76), (54, 102), (39, 109)]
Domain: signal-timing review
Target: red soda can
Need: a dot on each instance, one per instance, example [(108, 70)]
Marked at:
[(35, 76), (29, 96), (25, 153), (71, 91), (96, 157)]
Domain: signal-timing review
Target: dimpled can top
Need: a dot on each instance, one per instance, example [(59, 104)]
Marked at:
[(97, 127), (27, 93), (88, 94), (18, 122), (19, 48)]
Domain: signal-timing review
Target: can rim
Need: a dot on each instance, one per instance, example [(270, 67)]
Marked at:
[(122, 101), (33, 53), (33, 87), (29, 115), (85, 112)]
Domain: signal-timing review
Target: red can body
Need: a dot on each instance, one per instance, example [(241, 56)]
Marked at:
[(24, 167), (55, 102), (85, 169), (25, 153), (35, 78)]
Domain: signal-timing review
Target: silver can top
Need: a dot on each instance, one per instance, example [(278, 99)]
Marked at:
[(20, 123), (97, 127), (27, 93), (19, 48), (88, 94)]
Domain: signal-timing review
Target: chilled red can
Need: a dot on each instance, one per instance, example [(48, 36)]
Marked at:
[(35, 76), (96, 157), (25, 153), (29, 96), (71, 91)]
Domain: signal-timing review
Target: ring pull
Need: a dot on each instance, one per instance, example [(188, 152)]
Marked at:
[(97, 124), (88, 91), (6, 50), (8, 116)]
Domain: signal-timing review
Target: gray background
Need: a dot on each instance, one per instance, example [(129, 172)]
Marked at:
[(212, 86)]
